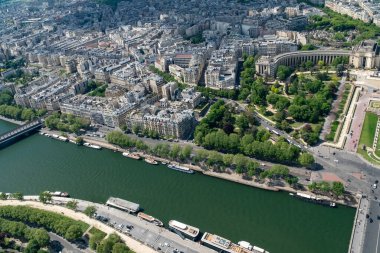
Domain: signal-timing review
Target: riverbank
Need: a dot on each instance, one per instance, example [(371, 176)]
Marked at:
[(131, 243), (133, 239), (13, 121), (233, 177)]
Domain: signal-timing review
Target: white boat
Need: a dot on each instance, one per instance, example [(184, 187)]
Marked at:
[(91, 146), (180, 168), (55, 136), (59, 194), (62, 138), (313, 199), (151, 161), (47, 135), (131, 155), (184, 229), (71, 141), (221, 244)]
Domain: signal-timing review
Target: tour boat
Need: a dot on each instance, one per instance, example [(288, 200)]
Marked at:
[(150, 219), (180, 168), (313, 199), (151, 161), (132, 155), (91, 146), (184, 230)]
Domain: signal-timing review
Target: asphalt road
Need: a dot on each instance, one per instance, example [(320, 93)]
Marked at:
[(63, 245), (372, 232)]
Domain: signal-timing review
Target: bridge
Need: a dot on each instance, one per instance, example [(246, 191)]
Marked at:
[(22, 131)]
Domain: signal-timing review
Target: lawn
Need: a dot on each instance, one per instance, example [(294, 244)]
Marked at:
[(368, 130)]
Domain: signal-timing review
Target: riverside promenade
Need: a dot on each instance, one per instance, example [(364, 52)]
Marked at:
[(143, 238), (358, 230)]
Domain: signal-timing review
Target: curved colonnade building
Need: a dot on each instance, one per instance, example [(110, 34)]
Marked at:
[(366, 56)]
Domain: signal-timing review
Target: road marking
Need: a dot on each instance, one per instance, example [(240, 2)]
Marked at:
[(378, 234)]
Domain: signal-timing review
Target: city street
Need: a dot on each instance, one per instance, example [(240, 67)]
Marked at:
[(372, 232)]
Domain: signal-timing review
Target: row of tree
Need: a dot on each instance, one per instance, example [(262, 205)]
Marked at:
[(336, 188), (6, 97), (19, 113), (21, 231), (15, 195), (59, 224), (67, 122)]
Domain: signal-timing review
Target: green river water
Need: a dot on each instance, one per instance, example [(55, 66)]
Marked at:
[(271, 220)]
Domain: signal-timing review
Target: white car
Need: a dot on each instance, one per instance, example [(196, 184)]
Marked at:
[(374, 186)]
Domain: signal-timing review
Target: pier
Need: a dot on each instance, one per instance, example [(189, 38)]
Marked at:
[(22, 131)]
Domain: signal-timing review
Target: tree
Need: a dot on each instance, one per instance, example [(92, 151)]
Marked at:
[(293, 181), (283, 72), (41, 236), (175, 151), (6, 98), (73, 232), (339, 70), (337, 188), (45, 197), (72, 204), (321, 64), (120, 248), (79, 141), (309, 64), (106, 245), (186, 152), (306, 159), (90, 211), (95, 240), (32, 247), (17, 195), (3, 196), (308, 47)]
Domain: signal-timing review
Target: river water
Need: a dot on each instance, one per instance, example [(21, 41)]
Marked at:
[(271, 220)]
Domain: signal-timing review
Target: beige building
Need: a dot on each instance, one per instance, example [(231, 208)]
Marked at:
[(366, 55)]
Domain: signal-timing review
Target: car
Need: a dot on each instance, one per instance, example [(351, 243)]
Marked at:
[(378, 217), (374, 186), (376, 181), (367, 215), (370, 220)]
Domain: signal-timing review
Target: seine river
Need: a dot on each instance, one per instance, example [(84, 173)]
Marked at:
[(271, 220)]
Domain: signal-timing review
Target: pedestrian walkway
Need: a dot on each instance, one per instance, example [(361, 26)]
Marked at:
[(358, 231), (347, 123)]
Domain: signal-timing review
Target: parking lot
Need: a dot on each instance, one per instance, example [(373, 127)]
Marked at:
[(158, 238), (153, 237)]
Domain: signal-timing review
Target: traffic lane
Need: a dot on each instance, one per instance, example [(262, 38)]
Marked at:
[(63, 245), (372, 233)]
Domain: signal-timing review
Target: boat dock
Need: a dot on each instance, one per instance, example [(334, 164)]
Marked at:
[(123, 205), (158, 238)]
